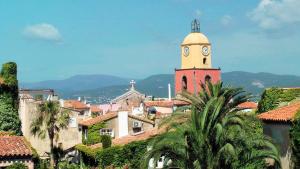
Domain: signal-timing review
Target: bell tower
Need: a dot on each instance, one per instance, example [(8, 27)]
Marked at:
[(196, 62)]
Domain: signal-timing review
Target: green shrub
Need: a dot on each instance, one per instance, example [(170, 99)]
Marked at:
[(109, 156), (88, 155), (129, 155), (17, 166), (106, 141)]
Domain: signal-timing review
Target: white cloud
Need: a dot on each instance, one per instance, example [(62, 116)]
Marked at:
[(43, 31), (226, 20), (275, 14), (258, 84)]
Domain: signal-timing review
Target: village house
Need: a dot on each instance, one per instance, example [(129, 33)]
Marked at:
[(118, 124), (15, 149), (68, 138), (276, 124), (248, 106)]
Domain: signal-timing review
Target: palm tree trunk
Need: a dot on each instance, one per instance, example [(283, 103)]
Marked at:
[(52, 162)]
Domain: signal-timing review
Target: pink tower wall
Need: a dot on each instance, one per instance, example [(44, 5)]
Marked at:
[(194, 78)]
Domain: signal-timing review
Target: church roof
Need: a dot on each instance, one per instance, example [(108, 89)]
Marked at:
[(125, 95)]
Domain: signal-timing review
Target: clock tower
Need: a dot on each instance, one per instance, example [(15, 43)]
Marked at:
[(196, 62)]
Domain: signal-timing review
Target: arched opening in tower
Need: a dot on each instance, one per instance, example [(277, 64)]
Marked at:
[(207, 79), (184, 83)]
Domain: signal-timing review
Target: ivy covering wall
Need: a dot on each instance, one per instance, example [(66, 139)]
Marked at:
[(129, 155), (9, 99), (272, 97), (93, 134)]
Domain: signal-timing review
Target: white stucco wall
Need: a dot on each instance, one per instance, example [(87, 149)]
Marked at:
[(123, 123)]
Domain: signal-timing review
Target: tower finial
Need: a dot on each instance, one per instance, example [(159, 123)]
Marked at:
[(195, 25)]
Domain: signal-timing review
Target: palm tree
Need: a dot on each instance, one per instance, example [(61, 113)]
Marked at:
[(203, 138), (50, 120)]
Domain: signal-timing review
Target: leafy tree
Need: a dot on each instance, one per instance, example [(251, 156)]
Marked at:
[(17, 166), (208, 137), (295, 141), (10, 86), (9, 119), (50, 120)]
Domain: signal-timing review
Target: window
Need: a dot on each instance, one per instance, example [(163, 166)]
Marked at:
[(184, 83), (204, 60), (107, 131), (72, 122)]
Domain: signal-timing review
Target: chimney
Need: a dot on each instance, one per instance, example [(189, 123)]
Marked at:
[(169, 92), (79, 98), (123, 123)]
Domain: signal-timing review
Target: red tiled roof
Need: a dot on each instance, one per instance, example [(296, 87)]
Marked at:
[(248, 105), (108, 116), (98, 119), (95, 108), (75, 104), (141, 119), (285, 113), (166, 103), (130, 138), (14, 146)]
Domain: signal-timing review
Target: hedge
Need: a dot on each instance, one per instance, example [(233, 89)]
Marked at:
[(128, 155)]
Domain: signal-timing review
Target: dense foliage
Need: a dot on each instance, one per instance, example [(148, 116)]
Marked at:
[(10, 87), (295, 141), (106, 141), (9, 118), (129, 155), (214, 135), (273, 96), (17, 166), (93, 134), (49, 121)]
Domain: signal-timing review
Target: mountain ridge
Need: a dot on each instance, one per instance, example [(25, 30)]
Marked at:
[(102, 88)]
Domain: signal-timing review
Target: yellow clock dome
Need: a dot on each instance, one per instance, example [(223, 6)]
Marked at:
[(195, 38), (196, 49)]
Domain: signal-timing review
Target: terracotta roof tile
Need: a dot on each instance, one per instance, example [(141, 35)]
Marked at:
[(141, 119), (248, 105), (285, 113), (75, 104), (166, 103), (95, 108), (98, 119), (14, 146), (108, 116)]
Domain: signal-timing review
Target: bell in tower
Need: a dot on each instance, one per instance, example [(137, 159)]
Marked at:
[(196, 62)]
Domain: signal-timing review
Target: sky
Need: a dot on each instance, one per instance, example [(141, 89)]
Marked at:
[(56, 39)]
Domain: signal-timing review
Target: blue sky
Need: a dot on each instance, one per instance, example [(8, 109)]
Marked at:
[(56, 39)]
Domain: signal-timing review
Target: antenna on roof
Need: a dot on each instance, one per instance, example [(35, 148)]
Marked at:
[(195, 26)]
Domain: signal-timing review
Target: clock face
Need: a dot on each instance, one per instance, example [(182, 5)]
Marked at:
[(205, 51), (186, 51)]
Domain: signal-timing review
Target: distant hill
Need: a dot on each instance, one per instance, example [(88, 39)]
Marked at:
[(101, 88), (78, 83)]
